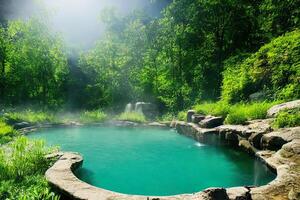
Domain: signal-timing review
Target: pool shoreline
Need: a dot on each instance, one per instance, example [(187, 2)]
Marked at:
[(61, 175)]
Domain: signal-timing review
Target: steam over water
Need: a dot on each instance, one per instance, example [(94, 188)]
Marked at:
[(78, 20)]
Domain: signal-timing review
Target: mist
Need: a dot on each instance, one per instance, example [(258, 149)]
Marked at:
[(78, 21)]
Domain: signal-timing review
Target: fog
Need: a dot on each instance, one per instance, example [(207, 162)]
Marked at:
[(77, 20)]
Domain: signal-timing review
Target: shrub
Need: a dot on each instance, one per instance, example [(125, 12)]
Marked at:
[(274, 69), (132, 116), (6, 132), (32, 188), (236, 113), (219, 108), (92, 116), (22, 166), (181, 116), (166, 117), (287, 118)]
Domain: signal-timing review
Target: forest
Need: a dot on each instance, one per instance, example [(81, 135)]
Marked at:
[(233, 59), (197, 50)]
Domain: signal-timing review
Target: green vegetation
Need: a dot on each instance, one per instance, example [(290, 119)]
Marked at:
[(290, 118), (30, 116), (236, 113), (6, 133), (92, 116), (273, 70), (23, 165), (216, 50), (132, 116)]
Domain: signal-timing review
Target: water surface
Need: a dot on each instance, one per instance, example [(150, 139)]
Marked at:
[(152, 161)]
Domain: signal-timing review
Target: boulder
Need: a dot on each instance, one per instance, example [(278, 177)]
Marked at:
[(274, 140), (189, 115), (211, 122), (148, 109), (273, 111), (255, 139), (216, 194), (238, 193), (246, 146), (21, 125), (196, 118)]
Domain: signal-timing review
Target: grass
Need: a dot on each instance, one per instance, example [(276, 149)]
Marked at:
[(217, 109), (92, 116), (287, 118), (22, 168), (31, 116), (132, 116), (6, 133), (236, 113)]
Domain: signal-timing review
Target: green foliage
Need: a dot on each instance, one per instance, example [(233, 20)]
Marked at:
[(92, 116), (274, 69), (34, 65), (235, 113), (240, 113), (166, 117), (22, 166), (6, 132), (181, 116), (219, 108), (288, 118), (31, 116), (31, 188), (132, 116)]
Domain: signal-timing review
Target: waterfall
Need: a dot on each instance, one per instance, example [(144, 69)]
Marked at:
[(139, 107), (128, 108)]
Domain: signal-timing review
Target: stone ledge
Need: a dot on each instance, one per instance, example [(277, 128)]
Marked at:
[(286, 162)]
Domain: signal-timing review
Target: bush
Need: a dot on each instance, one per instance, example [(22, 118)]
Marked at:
[(31, 116), (22, 166), (132, 116), (6, 132), (240, 113), (217, 109), (236, 113), (182, 115), (274, 69), (92, 116), (32, 188), (286, 118)]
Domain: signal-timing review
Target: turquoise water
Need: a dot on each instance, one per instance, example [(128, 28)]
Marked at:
[(150, 161)]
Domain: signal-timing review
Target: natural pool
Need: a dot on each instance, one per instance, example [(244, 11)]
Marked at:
[(153, 161)]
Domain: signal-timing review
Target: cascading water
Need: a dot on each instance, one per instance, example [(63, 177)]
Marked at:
[(128, 108)]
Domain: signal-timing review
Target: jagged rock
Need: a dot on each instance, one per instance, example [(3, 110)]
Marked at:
[(157, 124), (260, 125), (216, 194), (275, 140), (240, 130), (246, 146), (272, 112), (238, 193), (255, 139), (211, 122), (189, 115), (21, 125), (196, 118), (232, 138)]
